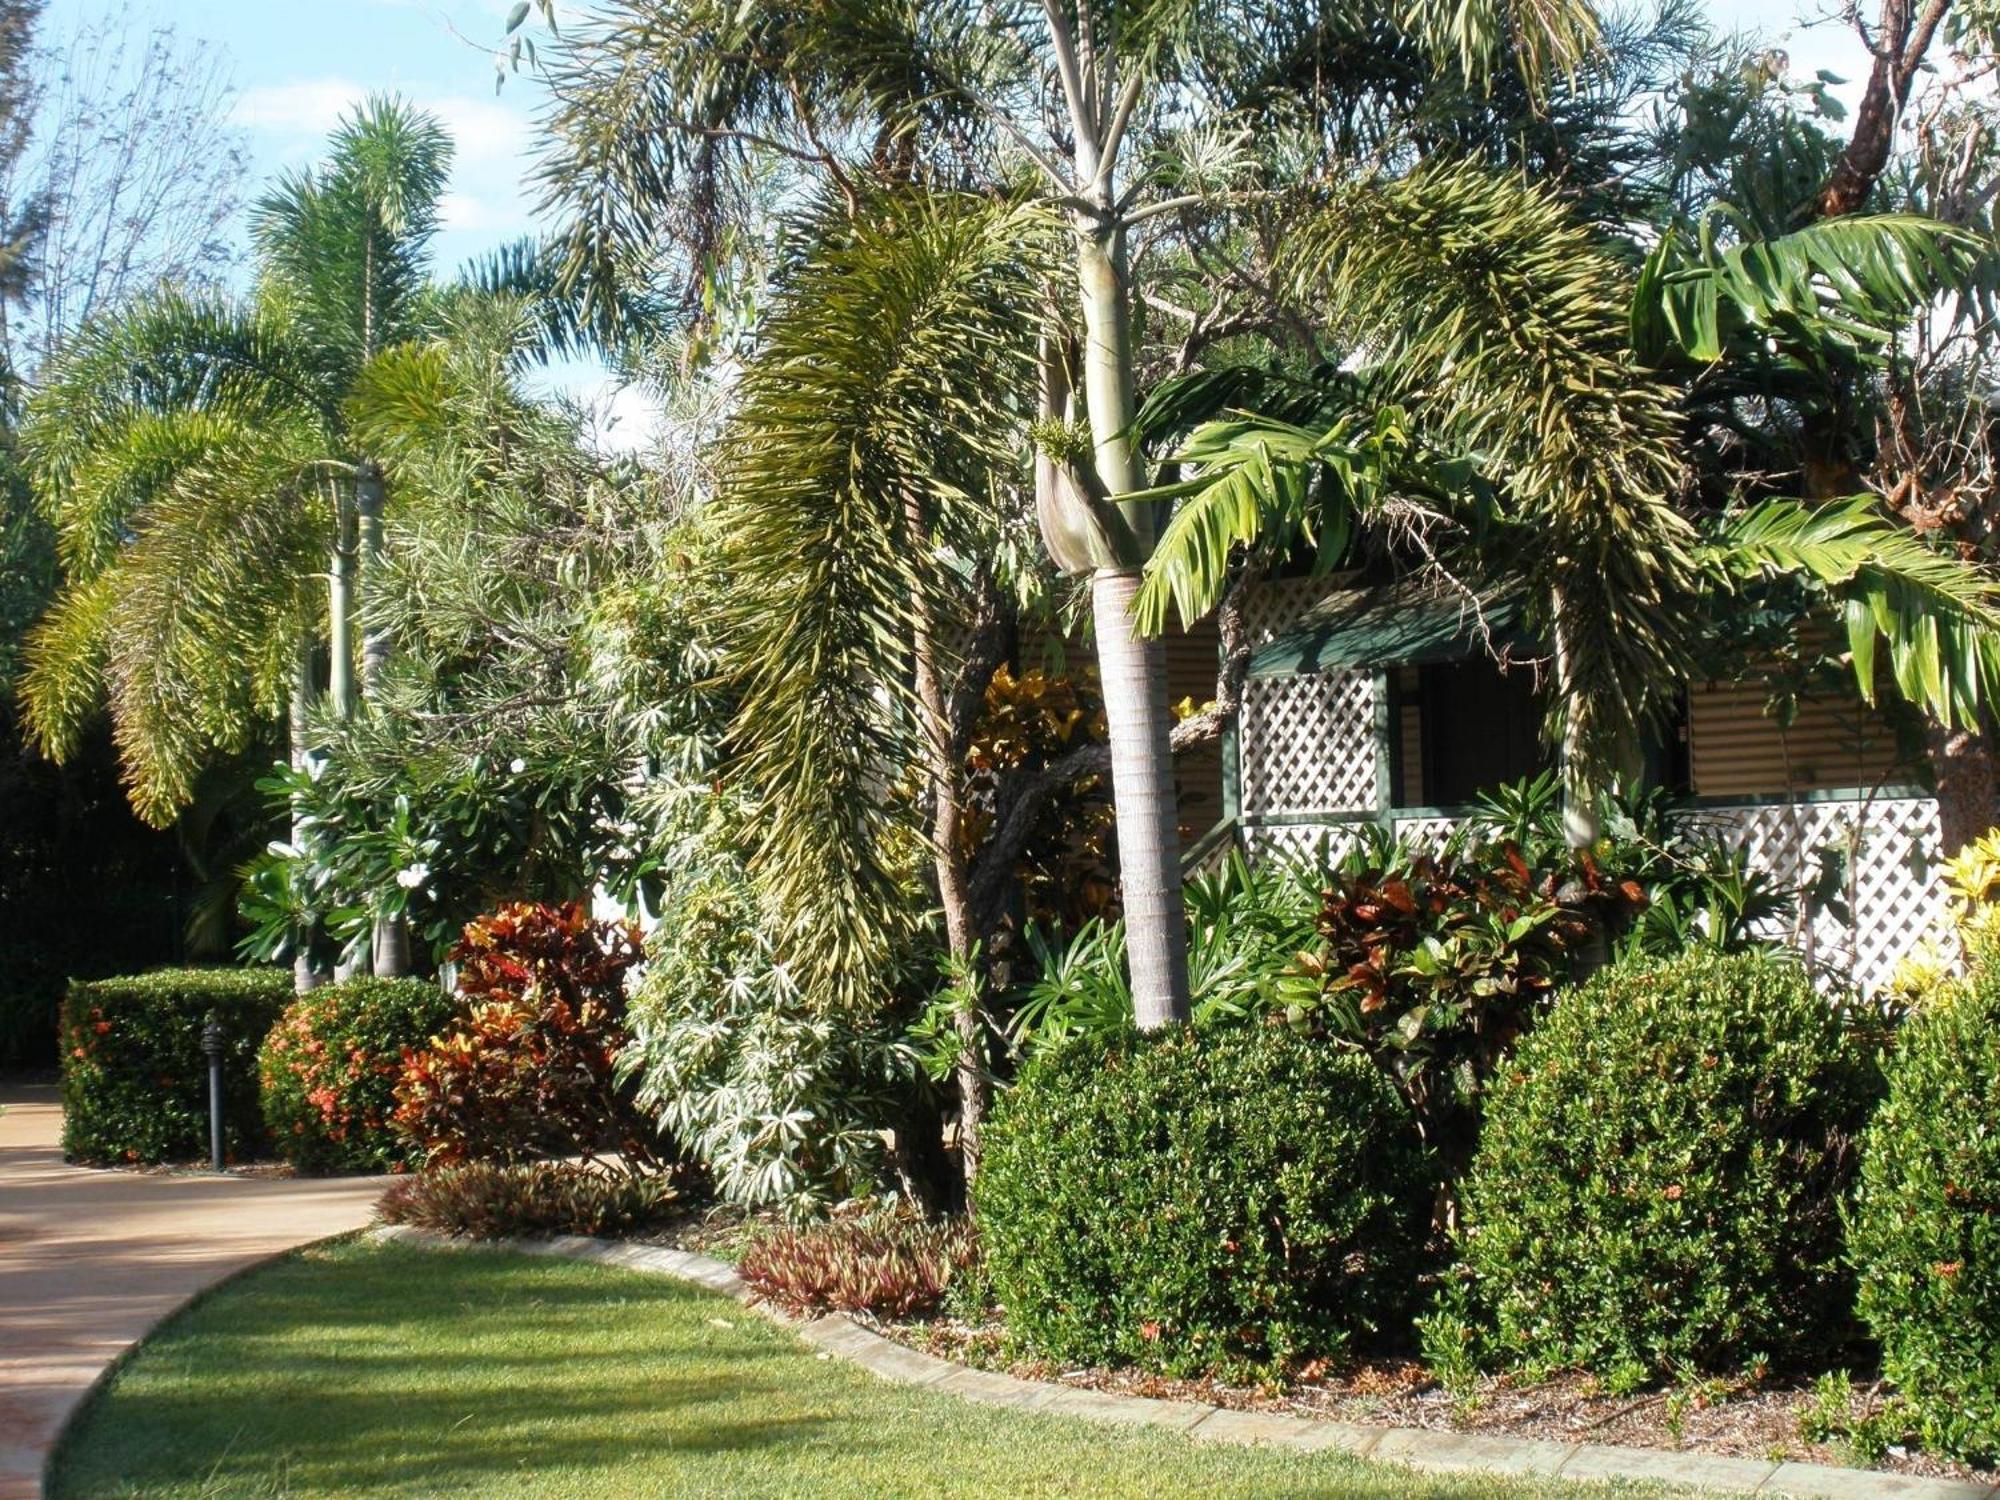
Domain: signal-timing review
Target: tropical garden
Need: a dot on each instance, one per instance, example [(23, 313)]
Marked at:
[(768, 842)]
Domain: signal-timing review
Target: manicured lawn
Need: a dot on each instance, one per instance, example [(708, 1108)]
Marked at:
[(372, 1370)]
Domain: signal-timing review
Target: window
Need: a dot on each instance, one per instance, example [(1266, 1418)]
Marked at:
[(1458, 728)]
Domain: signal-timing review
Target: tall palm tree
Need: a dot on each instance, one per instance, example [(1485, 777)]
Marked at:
[(664, 107), (198, 458)]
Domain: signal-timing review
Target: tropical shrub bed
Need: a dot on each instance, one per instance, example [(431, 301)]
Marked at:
[(487, 1200), (894, 1264), (134, 1077), (527, 1066), (1925, 1235), (1659, 1182), (330, 1067), (1234, 1198)]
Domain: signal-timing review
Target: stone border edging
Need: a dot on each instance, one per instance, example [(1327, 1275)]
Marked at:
[(1421, 1448)]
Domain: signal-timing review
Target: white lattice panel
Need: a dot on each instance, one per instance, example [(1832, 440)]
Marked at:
[(1309, 743), (1890, 853), (1270, 608), (1324, 844), (1428, 834)]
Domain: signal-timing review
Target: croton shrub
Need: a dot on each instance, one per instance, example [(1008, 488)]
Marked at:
[(135, 1080), (526, 1066), (330, 1066)]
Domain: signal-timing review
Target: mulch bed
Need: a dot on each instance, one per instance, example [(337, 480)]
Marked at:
[(1740, 1418), (1725, 1418)]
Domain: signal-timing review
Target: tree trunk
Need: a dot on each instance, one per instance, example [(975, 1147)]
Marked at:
[(1133, 671), (340, 609), (1963, 762), (1133, 674), (306, 975), (368, 504), (953, 879)]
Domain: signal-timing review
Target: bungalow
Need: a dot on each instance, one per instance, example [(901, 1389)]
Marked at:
[(1391, 707)]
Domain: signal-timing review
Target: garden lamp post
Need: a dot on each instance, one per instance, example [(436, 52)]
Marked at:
[(212, 1038)]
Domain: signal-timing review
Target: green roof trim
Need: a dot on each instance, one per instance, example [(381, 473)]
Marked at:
[(1397, 625)]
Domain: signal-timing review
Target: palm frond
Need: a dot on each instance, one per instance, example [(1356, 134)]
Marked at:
[(1937, 618), (62, 686), (1845, 283), (882, 386), (1262, 482), (209, 603), (345, 245), (1500, 323)]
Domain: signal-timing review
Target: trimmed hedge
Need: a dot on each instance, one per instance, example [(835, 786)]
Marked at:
[(1925, 1231), (1658, 1185), (135, 1082), (330, 1066), (1237, 1198)]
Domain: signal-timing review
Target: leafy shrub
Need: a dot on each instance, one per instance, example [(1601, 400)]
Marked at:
[(1246, 923), (785, 1105), (892, 1264), (135, 1080), (1925, 1231), (1433, 966), (484, 1200), (529, 1067), (1237, 1197), (330, 1066), (1659, 1178)]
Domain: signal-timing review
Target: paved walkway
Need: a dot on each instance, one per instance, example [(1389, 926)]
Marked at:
[(89, 1261)]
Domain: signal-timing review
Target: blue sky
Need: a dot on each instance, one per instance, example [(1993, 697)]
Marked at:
[(298, 64)]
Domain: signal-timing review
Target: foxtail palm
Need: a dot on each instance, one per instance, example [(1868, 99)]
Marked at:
[(197, 458)]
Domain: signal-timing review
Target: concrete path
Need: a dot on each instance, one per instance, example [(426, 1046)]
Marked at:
[(89, 1261)]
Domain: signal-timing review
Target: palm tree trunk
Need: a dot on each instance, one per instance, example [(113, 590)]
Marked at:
[(389, 944), (306, 975), (368, 504), (340, 633), (1132, 670)]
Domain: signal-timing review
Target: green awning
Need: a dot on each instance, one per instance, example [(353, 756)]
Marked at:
[(1396, 625)]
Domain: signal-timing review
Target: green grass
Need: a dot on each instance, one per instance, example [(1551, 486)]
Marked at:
[(371, 1370)]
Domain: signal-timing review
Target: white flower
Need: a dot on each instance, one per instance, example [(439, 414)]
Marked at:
[(517, 766), (413, 877)]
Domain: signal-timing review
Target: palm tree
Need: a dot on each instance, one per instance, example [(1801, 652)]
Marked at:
[(199, 460), (665, 107)]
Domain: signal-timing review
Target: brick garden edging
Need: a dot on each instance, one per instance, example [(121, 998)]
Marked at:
[(1413, 1447)]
